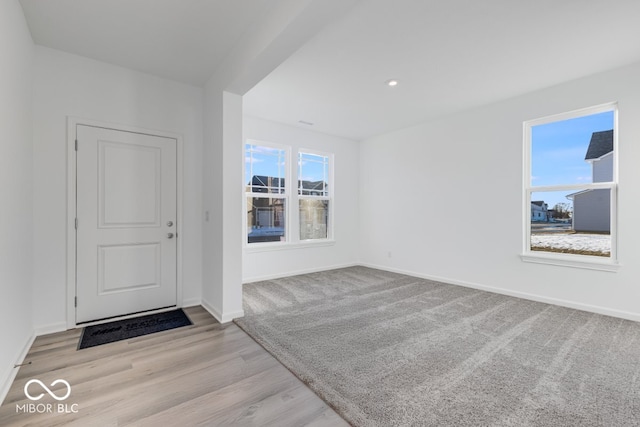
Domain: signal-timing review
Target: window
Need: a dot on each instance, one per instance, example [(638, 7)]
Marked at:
[(269, 192), (313, 195), (570, 187), (266, 193)]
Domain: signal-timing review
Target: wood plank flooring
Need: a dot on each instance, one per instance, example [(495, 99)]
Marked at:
[(206, 374)]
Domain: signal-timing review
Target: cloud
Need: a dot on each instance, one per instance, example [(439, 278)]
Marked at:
[(265, 150)]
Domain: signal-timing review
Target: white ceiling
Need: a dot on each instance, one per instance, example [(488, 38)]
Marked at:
[(447, 55), (184, 40)]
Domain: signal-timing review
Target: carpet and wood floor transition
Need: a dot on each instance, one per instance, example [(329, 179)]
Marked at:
[(382, 349), (386, 349), (206, 374)]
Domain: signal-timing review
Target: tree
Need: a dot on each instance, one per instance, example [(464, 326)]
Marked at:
[(563, 210)]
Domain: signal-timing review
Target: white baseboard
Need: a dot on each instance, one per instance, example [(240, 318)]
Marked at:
[(228, 317), (8, 381), (296, 272), (51, 329), (191, 302), (221, 317), (214, 312), (533, 297)]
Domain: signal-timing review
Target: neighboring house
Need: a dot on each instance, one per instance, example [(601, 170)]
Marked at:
[(591, 208), (312, 188), (539, 211), (266, 215)]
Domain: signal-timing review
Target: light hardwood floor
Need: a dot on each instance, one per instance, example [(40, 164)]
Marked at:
[(206, 374)]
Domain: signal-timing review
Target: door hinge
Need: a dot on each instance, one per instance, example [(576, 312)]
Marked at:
[(75, 301), (76, 145), (76, 223)]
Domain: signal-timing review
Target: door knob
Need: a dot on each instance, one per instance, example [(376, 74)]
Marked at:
[(170, 224), (170, 235)]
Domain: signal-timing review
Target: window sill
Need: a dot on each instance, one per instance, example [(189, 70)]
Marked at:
[(287, 246), (575, 261)]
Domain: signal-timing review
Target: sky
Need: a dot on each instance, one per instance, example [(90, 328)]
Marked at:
[(264, 161), (267, 161), (557, 154)]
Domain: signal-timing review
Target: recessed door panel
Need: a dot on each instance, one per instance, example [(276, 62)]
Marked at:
[(129, 185), (128, 268)]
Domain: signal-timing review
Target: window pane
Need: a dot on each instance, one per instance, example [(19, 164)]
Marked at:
[(265, 169), (573, 151), (574, 222), (313, 175), (314, 219), (265, 219)]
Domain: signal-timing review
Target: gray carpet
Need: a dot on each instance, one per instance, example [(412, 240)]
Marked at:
[(385, 349)]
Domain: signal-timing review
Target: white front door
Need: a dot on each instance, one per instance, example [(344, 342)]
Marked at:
[(126, 223)]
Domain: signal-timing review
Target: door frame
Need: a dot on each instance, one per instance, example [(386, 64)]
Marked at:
[(72, 123)]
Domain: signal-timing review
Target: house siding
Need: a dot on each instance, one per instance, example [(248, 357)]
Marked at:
[(592, 211), (603, 169)]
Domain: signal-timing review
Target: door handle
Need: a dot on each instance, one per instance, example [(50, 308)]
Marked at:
[(170, 235)]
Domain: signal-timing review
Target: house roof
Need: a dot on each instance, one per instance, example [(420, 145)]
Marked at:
[(312, 185), (571, 196), (538, 203), (601, 144), (261, 183)]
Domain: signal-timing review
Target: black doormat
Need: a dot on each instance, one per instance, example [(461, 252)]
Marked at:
[(130, 328)]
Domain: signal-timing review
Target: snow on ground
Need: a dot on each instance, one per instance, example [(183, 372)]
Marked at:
[(579, 242)]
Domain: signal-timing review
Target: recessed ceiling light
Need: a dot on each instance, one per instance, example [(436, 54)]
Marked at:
[(392, 82)]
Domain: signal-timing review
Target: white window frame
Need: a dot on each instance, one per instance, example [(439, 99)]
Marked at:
[(329, 197), (570, 260), (291, 196), (286, 196)]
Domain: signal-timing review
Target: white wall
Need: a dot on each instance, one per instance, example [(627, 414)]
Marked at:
[(69, 85), (282, 262), (16, 183), (283, 30), (212, 242), (222, 255), (420, 188)]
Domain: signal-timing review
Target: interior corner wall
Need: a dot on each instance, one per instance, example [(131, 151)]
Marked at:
[(212, 248), (444, 199), (222, 251), (265, 264), (16, 190), (232, 206), (69, 85)]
